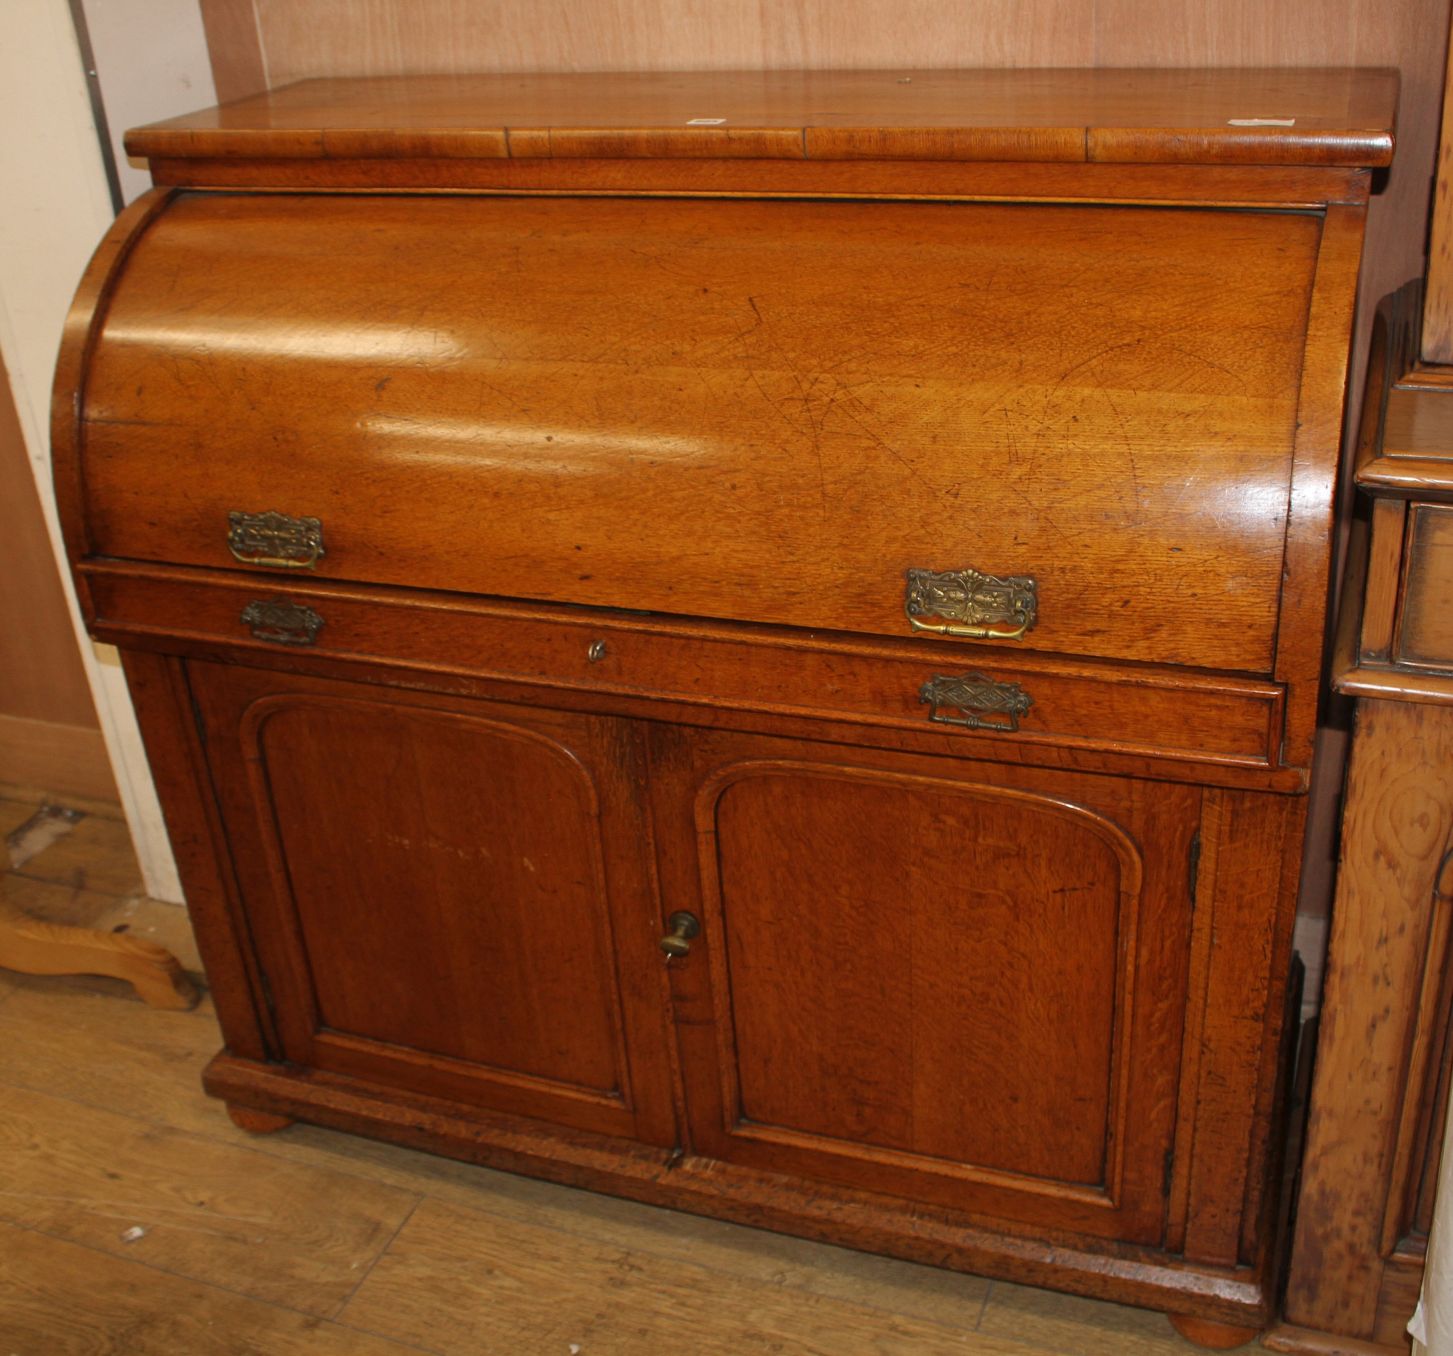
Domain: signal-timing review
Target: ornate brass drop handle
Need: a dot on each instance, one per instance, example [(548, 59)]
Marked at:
[(982, 702), (282, 623), (684, 927), (977, 606), (275, 540)]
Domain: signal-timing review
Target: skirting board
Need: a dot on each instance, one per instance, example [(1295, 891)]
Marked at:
[(62, 759)]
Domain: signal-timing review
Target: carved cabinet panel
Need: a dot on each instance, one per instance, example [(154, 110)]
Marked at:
[(445, 895), (948, 983)]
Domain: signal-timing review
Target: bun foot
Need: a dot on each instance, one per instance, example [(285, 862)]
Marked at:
[(256, 1122), (1216, 1336)]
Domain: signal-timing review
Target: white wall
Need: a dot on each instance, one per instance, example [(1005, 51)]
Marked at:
[(56, 208), (151, 57)]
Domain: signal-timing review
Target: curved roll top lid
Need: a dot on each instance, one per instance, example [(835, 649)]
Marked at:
[(741, 410)]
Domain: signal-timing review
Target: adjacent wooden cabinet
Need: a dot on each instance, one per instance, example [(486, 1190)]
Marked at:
[(749, 641), (1377, 1118)]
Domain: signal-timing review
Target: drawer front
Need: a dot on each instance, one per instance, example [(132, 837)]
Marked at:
[(923, 687), (742, 410), (1425, 615)]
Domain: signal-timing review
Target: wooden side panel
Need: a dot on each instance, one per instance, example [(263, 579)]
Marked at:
[(1398, 829), (1114, 416), (162, 699), (1310, 539), (1250, 849)]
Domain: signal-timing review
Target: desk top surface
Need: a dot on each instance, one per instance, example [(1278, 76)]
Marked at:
[(1333, 117)]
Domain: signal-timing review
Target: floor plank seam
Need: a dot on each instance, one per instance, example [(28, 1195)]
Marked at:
[(262, 1145), (673, 1254), (984, 1305), (20, 873), (183, 1276), (337, 1314)]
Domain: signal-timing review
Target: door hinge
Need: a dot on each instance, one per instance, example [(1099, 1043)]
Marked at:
[(1168, 1173), (1193, 873)]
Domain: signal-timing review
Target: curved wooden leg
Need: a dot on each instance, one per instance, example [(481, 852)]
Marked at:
[(1204, 1332), (256, 1122), (36, 948)]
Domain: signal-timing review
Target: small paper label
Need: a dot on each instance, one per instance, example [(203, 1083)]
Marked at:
[(1261, 122), (705, 122)]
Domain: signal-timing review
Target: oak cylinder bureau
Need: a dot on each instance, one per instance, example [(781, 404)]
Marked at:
[(749, 641)]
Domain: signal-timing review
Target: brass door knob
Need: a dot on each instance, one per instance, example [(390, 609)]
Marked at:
[(684, 927)]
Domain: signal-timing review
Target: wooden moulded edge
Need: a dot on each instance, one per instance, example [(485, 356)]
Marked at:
[(748, 1196), (1299, 187), (421, 633), (1195, 116), (68, 393)]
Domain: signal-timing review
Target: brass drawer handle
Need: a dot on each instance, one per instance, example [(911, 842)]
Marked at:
[(975, 697), (282, 623), (275, 540), (978, 606)]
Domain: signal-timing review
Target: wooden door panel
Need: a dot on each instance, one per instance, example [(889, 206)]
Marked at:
[(442, 904), (930, 982), (859, 890), (461, 881)]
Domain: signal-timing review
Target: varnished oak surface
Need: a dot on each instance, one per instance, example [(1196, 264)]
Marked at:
[(105, 1091), (1039, 394), (1379, 1096), (1416, 454), (1361, 1181), (735, 421), (1335, 117)]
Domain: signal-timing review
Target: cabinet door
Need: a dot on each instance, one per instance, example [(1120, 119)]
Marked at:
[(447, 896), (960, 984)]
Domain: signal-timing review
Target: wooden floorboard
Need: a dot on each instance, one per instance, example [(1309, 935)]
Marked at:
[(61, 1299), (310, 1241)]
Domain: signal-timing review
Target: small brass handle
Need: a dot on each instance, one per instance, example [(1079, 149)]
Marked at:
[(275, 540), (282, 623), (684, 927), (983, 703), (969, 632), (977, 606)]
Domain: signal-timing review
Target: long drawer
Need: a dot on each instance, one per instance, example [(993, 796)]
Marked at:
[(924, 688), (1071, 425)]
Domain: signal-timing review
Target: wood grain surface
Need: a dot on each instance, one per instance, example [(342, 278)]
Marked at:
[(111, 1175), (88, 1045), (678, 351), (1437, 331), (41, 679), (259, 44), (1425, 622), (738, 420), (68, 1300), (1398, 827), (1263, 117), (488, 864)]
